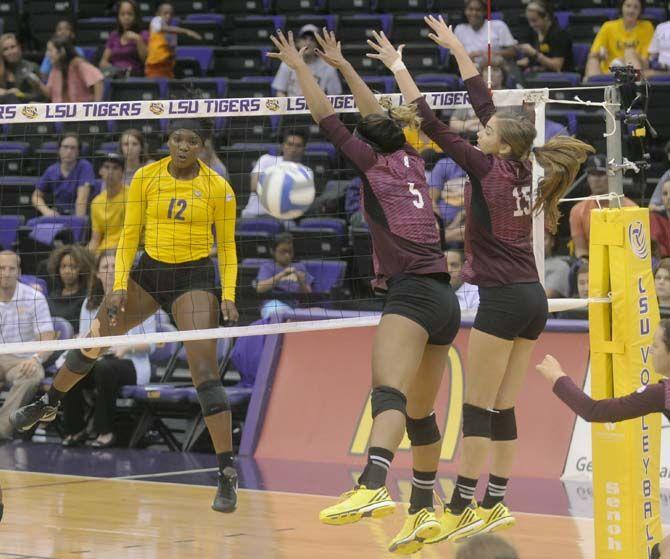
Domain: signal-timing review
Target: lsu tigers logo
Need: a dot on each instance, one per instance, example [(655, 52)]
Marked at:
[(638, 239), (157, 108), (272, 104), (29, 111)]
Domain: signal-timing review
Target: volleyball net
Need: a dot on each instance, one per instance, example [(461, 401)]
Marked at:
[(51, 150)]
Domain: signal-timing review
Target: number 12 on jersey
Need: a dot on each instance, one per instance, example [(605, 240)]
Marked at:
[(180, 204)]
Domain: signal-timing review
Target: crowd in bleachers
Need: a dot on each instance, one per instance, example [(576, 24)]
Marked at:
[(62, 186)]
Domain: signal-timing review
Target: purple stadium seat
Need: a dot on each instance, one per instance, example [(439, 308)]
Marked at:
[(556, 79), (580, 52), (203, 55), (267, 224), (9, 225), (338, 225), (162, 353), (63, 329), (328, 274), (77, 224), (246, 356), (604, 79), (563, 19), (257, 262), (35, 283), (442, 82)]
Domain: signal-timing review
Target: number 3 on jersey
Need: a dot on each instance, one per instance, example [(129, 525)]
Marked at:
[(523, 203), (180, 207)]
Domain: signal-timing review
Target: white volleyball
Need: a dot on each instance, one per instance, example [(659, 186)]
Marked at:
[(287, 190)]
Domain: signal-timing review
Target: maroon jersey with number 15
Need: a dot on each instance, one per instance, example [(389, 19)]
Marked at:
[(498, 226), (396, 205)]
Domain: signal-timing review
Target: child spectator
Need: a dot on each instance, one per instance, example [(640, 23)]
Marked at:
[(72, 79), (126, 48), (68, 181), (622, 41), (108, 207), (121, 365), (282, 275), (550, 47), (19, 82), (64, 28), (163, 42), (133, 148)]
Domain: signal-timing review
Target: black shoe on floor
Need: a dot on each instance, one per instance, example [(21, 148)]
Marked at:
[(226, 493), (39, 411)]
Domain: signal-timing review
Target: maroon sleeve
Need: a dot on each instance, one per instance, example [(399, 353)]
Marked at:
[(636, 404), (468, 157), (480, 98), (355, 149)]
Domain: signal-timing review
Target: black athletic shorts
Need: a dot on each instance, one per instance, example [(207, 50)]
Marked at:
[(518, 310), (427, 300), (166, 282)]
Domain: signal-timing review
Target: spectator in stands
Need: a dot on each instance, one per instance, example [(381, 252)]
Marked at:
[(68, 181), (556, 269), (282, 275), (447, 182), (468, 294), (70, 268), (285, 82), (19, 82), (126, 48), (660, 223), (64, 28), (133, 148), (656, 203), (292, 149), (121, 366), (580, 223), (659, 51), (622, 41), (486, 546), (72, 79), (208, 157), (108, 207), (473, 34), (24, 317), (550, 47), (662, 283), (161, 51), (582, 282)]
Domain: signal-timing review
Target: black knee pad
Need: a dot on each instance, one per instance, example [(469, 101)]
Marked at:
[(212, 397), (503, 425), (424, 431), (476, 421), (387, 398), (656, 552), (2, 510), (78, 363)]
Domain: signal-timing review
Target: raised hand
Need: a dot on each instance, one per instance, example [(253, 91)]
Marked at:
[(442, 33), (288, 53), (330, 49), (385, 50)]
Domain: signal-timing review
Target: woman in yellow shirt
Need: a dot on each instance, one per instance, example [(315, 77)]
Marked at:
[(175, 201), (622, 41)]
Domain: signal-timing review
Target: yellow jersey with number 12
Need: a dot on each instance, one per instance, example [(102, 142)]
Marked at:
[(177, 217)]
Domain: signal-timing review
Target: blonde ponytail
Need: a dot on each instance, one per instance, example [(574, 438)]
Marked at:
[(406, 116), (561, 157)]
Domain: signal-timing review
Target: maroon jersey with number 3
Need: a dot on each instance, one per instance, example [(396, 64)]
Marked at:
[(498, 220), (396, 205)]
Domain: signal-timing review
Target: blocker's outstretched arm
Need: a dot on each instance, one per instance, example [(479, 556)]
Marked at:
[(316, 99)]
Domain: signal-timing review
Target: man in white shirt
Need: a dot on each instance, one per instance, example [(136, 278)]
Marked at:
[(24, 317), (286, 82), (474, 34), (659, 50), (292, 149), (467, 294)]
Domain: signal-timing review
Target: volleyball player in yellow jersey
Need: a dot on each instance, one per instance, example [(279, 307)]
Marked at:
[(176, 201)]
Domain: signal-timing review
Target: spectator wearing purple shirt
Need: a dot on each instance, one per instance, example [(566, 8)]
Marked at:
[(512, 310), (282, 275), (68, 182), (421, 316), (126, 48), (650, 398)]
